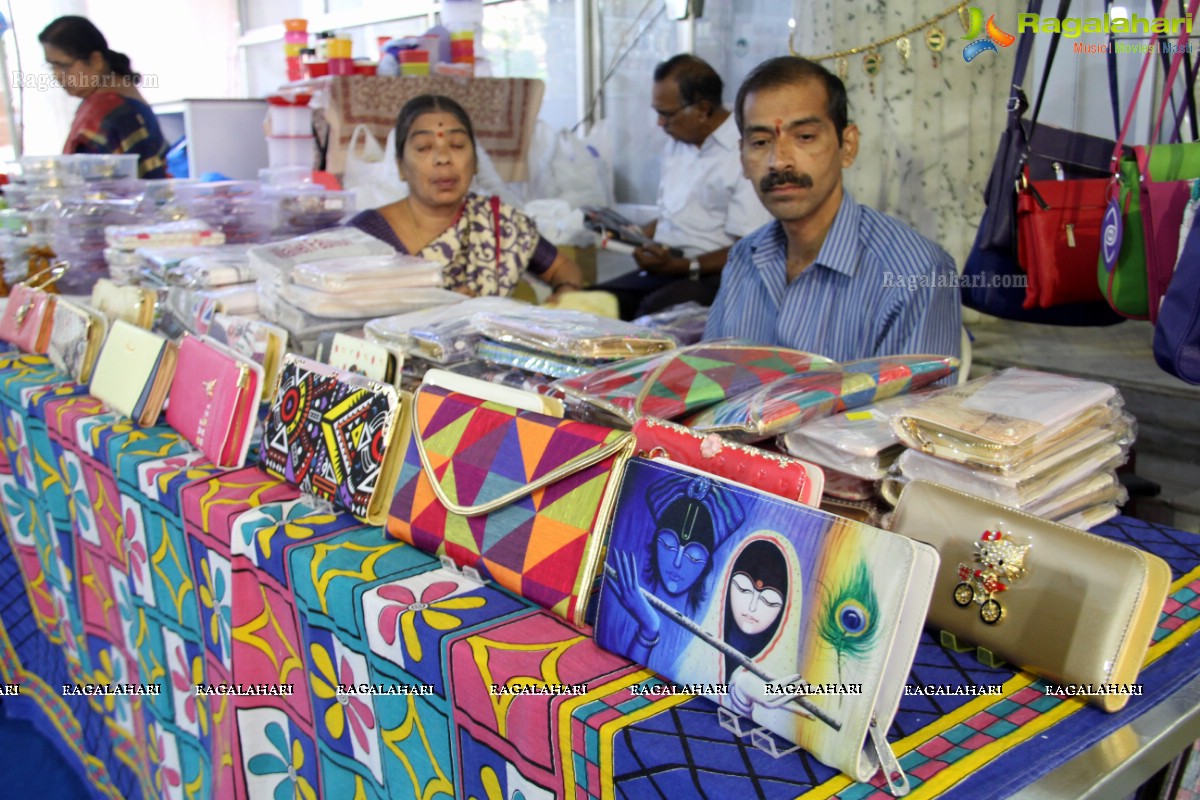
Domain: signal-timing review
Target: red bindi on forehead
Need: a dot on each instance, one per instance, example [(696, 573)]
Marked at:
[(778, 128)]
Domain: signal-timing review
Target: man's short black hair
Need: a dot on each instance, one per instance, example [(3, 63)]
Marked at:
[(787, 70), (696, 79)]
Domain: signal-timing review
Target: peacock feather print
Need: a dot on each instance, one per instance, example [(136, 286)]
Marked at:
[(847, 620)]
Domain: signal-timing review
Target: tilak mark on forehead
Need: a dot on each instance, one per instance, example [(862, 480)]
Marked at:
[(778, 128)]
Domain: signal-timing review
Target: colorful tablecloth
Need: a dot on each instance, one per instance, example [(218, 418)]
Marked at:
[(335, 662)]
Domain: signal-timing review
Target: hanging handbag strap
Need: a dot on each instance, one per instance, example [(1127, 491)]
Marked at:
[(1017, 103), (1189, 102), (1063, 9), (1169, 83), (1137, 88)]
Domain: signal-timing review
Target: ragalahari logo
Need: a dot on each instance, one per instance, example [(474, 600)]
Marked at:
[(976, 28)]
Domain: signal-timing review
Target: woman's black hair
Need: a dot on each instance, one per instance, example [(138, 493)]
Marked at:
[(79, 38), (429, 104), (763, 560)]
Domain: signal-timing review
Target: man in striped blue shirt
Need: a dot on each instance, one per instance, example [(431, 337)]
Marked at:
[(828, 275)]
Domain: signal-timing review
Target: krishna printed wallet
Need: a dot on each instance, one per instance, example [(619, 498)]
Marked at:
[(808, 623)]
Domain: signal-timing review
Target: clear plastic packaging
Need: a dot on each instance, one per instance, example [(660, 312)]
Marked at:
[(396, 330), (220, 266), (1006, 417), (446, 342), (573, 333), (685, 322), (859, 442), (106, 167), (789, 402), (303, 327), (1004, 489), (282, 257), (161, 261), (1091, 517), (1102, 487), (844, 486), (674, 384), (517, 378), (508, 355), (309, 208), (183, 233), (362, 275), (364, 306)]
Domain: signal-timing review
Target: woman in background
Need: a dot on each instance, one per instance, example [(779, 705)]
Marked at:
[(113, 117), (483, 244)]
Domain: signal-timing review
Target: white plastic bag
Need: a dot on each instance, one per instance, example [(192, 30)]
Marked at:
[(372, 174)]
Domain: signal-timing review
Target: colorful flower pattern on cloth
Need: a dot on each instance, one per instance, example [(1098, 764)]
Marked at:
[(216, 601), (397, 611), (279, 761), (347, 719), (429, 746)]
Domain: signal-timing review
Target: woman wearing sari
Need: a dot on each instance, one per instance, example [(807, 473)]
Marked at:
[(483, 243), (113, 117)]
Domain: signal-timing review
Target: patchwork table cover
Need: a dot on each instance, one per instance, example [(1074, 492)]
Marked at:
[(186, 632)]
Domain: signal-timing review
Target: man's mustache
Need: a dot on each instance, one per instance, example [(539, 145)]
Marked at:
[(802, 181)]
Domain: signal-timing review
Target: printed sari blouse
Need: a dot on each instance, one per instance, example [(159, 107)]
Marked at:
[(484, 251)]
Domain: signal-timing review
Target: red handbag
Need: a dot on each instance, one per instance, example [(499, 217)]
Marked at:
[(1058, 239), (771, 472)]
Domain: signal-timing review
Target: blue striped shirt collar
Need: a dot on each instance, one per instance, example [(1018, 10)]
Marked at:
[(839, 252)]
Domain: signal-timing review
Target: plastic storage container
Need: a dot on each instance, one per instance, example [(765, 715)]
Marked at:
[(286, 120), (289, 151)]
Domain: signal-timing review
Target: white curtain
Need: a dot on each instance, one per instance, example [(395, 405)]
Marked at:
[(929, 133)]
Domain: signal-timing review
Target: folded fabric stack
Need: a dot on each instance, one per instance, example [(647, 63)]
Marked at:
[(122, 242), (336, 280), (1046, 444)]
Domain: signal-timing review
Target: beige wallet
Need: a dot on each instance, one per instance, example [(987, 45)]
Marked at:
[(134, 371), (1072, 607)]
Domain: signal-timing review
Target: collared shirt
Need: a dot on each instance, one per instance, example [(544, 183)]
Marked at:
[(876, 288), (704, 201)]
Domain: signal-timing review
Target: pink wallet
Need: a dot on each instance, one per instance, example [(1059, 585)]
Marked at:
[(214, 399), (27, 319), (770, 472)]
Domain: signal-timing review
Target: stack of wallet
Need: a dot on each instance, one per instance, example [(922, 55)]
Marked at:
[(1048, 445)]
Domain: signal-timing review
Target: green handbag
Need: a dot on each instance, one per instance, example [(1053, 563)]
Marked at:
[(1151, 193)]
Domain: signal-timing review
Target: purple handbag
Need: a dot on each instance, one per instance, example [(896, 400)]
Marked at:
[(1177, 331)]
